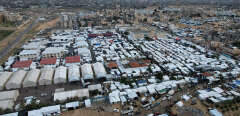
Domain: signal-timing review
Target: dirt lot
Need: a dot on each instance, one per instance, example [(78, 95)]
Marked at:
[(89, 112), (48, 24)]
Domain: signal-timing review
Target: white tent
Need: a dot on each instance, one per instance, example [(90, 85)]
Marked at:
[(131, 93), (7, 98), (161, 89), (73, 73), (84, 52), (87, 103), (218, 90), (185, 97), (46, 76), (179, 104), (95, 87), (31, 78), (142, 89), (114, 97), (35, 113), (87, 72), (4, 77), (151, 89), (81, 44), (215, 112), (6, 95), (60, 75), (171, 92), (6, 104), (16, 80), (99, 70), (71, 94), (73, 105), (46, 111)]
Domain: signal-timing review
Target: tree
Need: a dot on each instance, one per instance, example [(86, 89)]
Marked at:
[(221, 77), (1, 111), (145, 20), (6, 111), (126, 33), (172, 78), (159, 76)]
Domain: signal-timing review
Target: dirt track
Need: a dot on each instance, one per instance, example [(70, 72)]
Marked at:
[(89, 112)]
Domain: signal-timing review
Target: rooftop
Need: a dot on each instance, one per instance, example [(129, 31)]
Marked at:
[(46, 61), (72, 59), (112, 65), (22, 64)]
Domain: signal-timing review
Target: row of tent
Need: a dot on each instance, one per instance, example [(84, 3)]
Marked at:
[(48, 76)]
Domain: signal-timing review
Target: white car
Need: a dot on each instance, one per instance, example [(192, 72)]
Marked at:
[(115, 110)]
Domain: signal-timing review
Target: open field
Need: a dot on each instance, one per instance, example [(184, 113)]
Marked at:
[(48, 24), (14, 38), (8, 24), (4, 34)]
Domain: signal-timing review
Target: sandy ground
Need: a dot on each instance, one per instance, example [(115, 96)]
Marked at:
[(48, 24), (89, 112)]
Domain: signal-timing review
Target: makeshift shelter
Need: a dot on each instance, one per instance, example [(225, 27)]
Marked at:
[(161, 89), (171, 92), (31, 78), (46, 111), (185, 97), (179, 104), (72, 105), (151, 89), (4, 77), (60, 75), (35, 113), (95, 87), (114, 97), (16, 80), (46, 77), (87, 103), (142, 89), (215, 112), (73, 73), (131, 94)]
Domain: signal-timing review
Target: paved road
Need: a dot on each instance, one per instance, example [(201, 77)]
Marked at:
[(7, 49)]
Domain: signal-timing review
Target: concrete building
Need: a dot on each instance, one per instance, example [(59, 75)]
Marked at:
[(53, 52), (29, 55)]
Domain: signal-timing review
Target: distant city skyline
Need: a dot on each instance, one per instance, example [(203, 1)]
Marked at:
[(68, 3)]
